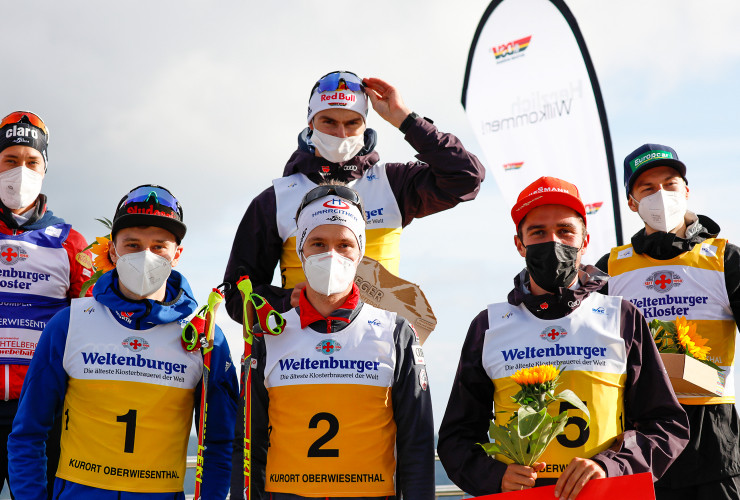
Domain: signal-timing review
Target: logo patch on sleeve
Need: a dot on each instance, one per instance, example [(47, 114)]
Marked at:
[(419, 356), (53, 231), (423, 380), (84, 259)]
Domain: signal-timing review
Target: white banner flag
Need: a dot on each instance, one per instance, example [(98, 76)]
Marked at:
[(534, 103)]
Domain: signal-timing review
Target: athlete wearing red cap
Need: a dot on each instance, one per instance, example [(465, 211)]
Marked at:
[(553, 317), (44, 267)]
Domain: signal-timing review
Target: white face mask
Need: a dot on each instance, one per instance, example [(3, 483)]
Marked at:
[(663, 210), (337, 149), (329, 273), (143, 273), (19, 187)]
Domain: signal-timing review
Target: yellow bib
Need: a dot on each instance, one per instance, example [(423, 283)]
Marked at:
[(129, 403)]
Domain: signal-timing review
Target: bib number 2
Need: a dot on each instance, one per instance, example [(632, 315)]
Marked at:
[(316, 450)]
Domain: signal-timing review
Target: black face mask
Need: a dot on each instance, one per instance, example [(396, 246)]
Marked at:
[(552, 265)]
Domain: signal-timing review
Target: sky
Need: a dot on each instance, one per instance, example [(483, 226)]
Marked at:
[(207, 99)]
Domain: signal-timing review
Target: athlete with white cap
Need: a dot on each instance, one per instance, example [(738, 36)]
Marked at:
[(340, 400), (338, 145)]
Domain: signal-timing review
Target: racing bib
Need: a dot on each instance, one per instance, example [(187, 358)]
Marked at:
[(331, 413), (691, 285), (587, 342), (129, 403)]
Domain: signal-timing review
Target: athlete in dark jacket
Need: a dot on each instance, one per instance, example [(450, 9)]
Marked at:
[(444, 175), (553, 317), (687, 260)]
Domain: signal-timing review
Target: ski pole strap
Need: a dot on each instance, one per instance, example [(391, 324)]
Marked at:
[(194, 332), (264, 312), (262, 308)]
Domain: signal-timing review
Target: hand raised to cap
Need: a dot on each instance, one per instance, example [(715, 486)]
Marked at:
[(386, 101)]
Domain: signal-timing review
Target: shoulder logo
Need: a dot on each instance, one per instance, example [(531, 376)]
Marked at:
[(599, 310), (507, 315), (418, 356), (10, 254), (90, 310), (135, 344), (53, 231), (371, 177), (708, 250), (623, 254), (553, 333), (327, 347), (663, 281), (84, 260), (423, 380), (374, 322)]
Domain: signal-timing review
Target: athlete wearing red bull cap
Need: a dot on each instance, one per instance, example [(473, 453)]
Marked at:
[(338, 145), (44, 265), (677, 266), (116, 365), (552, 316)]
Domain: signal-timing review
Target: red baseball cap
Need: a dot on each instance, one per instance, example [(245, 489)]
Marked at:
[(547, 191)]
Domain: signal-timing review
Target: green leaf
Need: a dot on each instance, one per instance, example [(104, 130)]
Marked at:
[(87, 284), (490, 448), (507, 441), (530, 420), (570, 397)]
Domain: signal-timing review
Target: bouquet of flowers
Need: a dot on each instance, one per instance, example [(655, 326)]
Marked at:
[(102, 263), (680, 337), (531, 429)]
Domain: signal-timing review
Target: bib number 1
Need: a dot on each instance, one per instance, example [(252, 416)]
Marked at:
[(130, 420)]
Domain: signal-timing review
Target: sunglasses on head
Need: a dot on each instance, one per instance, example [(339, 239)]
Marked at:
[(339, 80), (18, 117), (159, 195), (343, 192)]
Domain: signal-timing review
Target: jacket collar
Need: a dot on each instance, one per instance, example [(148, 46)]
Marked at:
[(567, 300), (146, 313), (664, 246), (336, 320), (305, 161)]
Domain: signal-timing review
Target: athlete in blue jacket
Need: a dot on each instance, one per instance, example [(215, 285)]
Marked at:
[(126, 386)]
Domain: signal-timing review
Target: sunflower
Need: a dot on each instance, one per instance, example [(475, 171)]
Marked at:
[(101, 248), (542, 374), (693, 343)]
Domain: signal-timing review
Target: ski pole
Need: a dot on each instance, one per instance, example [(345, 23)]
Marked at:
[(192, 337), (253, 305)]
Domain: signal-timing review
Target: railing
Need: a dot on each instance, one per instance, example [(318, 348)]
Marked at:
[(440, 491)]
